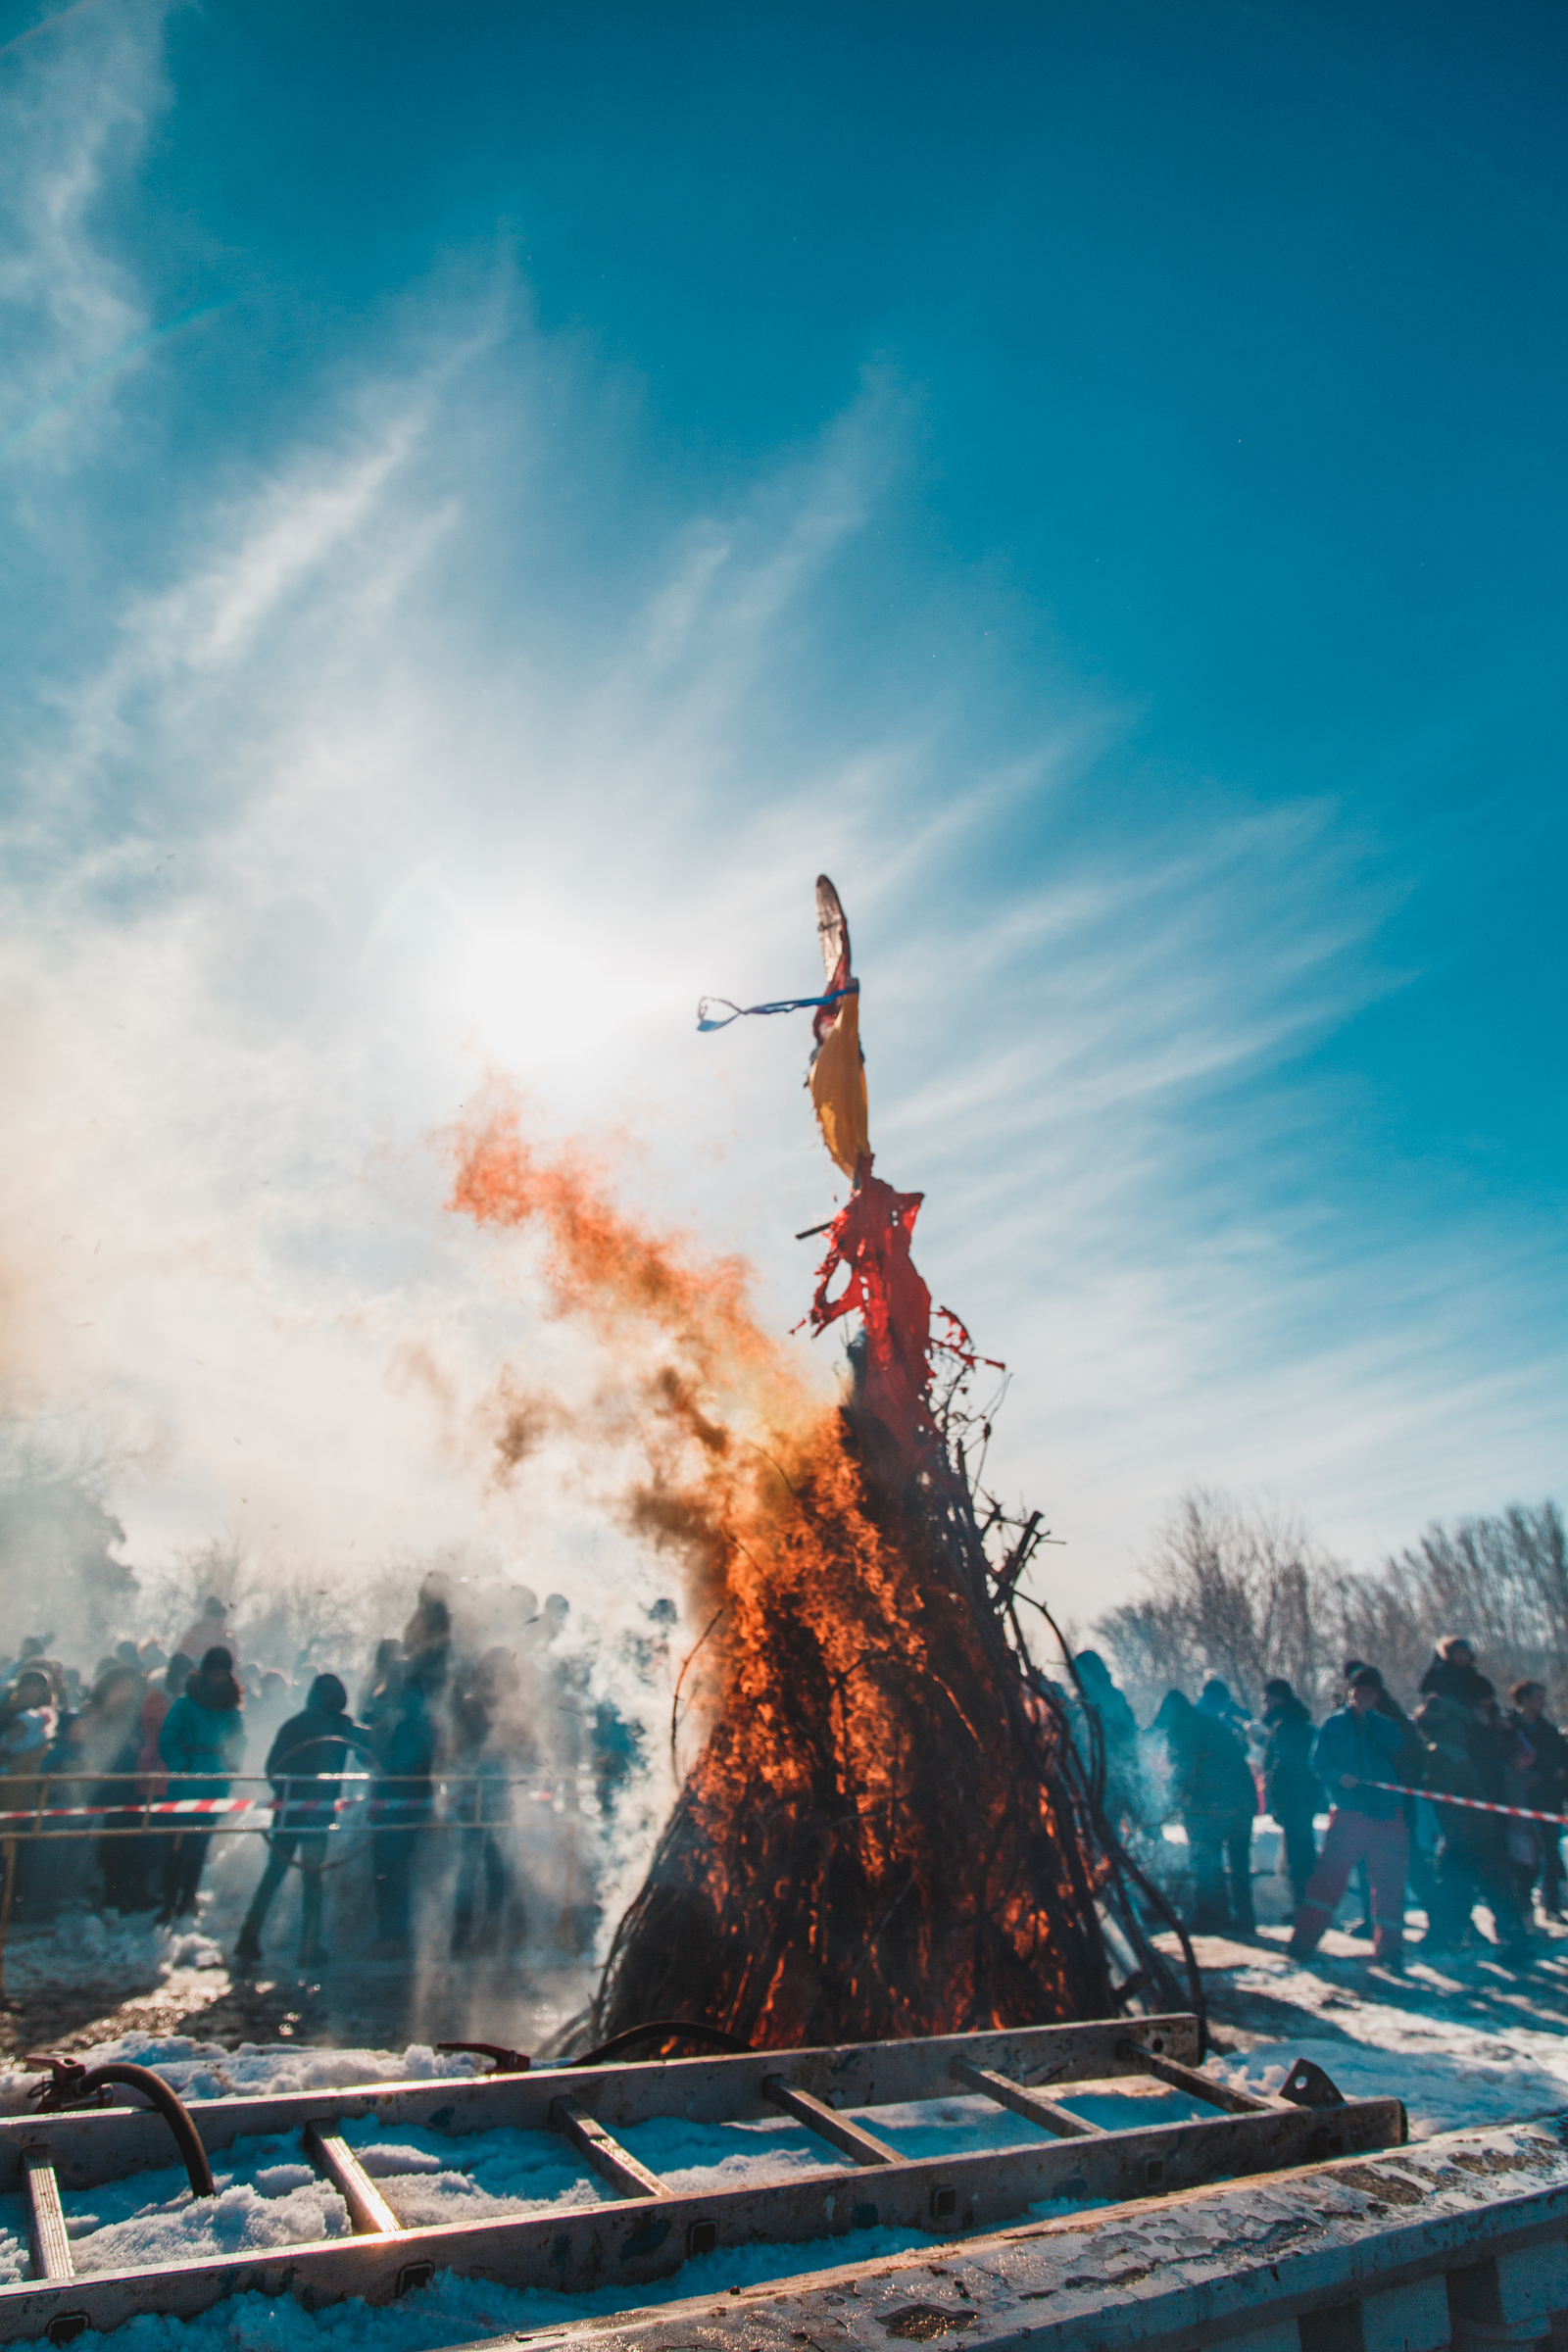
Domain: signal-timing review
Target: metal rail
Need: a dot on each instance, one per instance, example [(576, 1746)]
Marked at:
[(640, 2230), (46, 2220), (1460, 2241), (160, 1813), (369, 2211)]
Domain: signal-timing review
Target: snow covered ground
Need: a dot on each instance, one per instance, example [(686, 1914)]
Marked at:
[(78, 1946), (205, 2069), (1474, 2043)]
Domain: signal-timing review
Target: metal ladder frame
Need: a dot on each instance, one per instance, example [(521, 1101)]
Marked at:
[(642, 2231)]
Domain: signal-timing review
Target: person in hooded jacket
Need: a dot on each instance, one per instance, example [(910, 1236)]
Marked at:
[(1291, 1791), (1213, 1793), (1454, 1674), (1407, 1772), (1465, 1759), (1215, 1699), (1356, 1747), (308, 1752), (202, 1736), (1126, 1798)]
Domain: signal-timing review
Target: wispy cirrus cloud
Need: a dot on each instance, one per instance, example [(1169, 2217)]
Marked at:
[(82, 88)]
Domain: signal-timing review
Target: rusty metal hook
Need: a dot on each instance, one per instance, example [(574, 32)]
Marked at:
[(72, 2084)]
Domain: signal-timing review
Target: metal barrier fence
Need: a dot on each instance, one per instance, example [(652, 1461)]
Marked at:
[(475, 1802), (155, 1811)]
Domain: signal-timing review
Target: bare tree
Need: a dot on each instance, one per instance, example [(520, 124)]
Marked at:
[(176, 1591), (1232, 1590), (59, 1573), (1504, 1582), (1247, 1593)]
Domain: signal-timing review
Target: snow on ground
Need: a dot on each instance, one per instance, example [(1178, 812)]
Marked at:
[(205, 2069), (1443, 2092), (79, 1947), (1477, 2041), (153, 2220)]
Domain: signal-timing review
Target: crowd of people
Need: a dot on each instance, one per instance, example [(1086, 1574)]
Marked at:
[(436, 1703), (151, 1723), (1387, 1781)]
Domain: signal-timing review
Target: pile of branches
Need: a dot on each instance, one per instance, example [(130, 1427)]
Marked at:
[(897, 1824)]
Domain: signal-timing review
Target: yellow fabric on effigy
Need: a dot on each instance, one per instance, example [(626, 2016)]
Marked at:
[(838, 1089)]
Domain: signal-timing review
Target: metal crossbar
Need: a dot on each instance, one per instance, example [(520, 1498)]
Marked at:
[(640, 2230)]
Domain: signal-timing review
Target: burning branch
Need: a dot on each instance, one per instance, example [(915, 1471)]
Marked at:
[(889, 1829)]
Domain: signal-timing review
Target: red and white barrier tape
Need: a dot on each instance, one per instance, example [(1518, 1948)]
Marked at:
[(1471, 1804), (181, 1804), (295, 1805), (215, 1804)]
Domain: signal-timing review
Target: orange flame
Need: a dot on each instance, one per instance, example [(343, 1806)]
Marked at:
[(712, 1400), (856, 1850)]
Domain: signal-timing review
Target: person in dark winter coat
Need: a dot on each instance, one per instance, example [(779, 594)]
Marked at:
[(1504, 1760), (383, 1671), (405, 1748), (1125, 1795), (479, 1723), (32, 1721), (1355, 1748), (109, 1739), (1407, 1771), (1465, 1757), (308, 1752), (202, 1733), (1385, 1705), (1546, 1785), (427, 1636), (1215, 1798), (1291, 1791), (1454, 1674), (1215, 1699)]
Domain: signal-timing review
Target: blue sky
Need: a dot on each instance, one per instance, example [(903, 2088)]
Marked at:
[(494, 503)]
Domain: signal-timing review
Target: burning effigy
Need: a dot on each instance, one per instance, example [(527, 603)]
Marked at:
[(895, 1823)]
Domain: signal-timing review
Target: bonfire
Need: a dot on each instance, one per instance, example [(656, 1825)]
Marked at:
[(895, 1823)]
